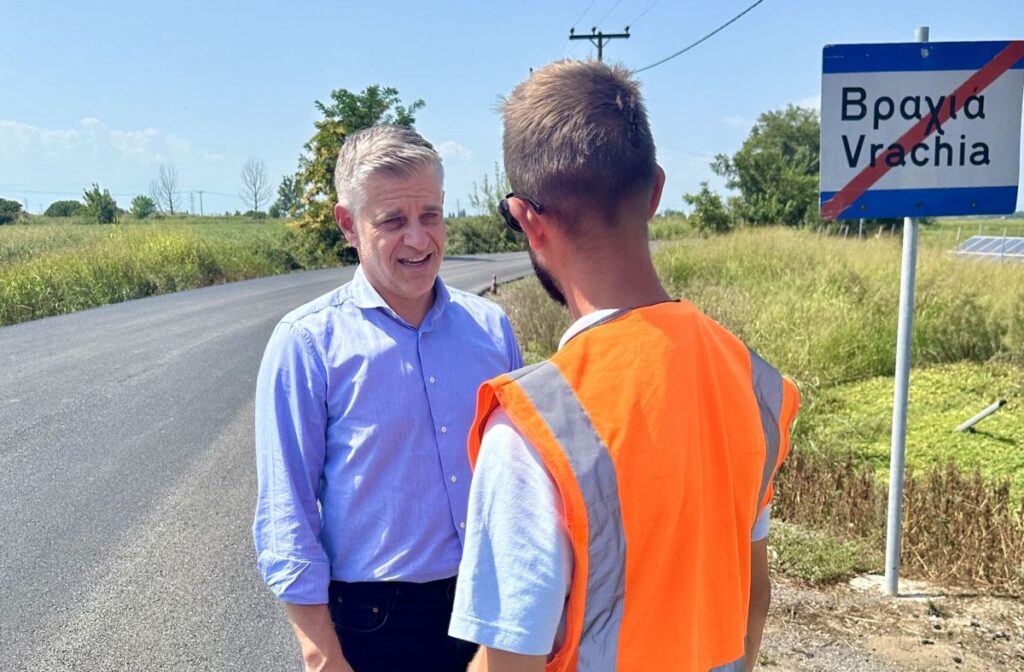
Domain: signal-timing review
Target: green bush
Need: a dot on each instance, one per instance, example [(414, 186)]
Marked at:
[(10, 211), (100, 206), (480, 234), (709, 213), (143, 206), (669, 226), (65, 209), (816, 557)]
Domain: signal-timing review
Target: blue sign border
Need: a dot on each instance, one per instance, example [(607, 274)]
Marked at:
[(879, 203), (910, 57)]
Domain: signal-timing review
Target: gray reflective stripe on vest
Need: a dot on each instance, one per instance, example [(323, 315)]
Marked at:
[(555, 401), (768, 390), (735, 666)]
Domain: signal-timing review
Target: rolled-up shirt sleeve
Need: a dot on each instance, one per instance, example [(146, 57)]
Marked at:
[(291, 419)]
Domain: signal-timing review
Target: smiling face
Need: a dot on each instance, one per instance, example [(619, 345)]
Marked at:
[(398, 230)]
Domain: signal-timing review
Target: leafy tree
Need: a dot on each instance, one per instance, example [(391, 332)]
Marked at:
[(65, 209), (346, 113), (776, 169), (710, 215), (289, 198), (100, 205), (143, 206), (10, 211)]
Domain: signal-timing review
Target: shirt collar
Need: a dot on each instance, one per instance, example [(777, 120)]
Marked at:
[(588, 320), (366, 297)]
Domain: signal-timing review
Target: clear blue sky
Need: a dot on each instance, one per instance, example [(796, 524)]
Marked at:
[(106, 91)]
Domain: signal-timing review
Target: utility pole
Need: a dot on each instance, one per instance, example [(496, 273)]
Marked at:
[(598, 39), (191, 202), (200, 203)]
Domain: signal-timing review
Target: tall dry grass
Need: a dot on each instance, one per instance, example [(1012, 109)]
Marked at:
[(959, 528)]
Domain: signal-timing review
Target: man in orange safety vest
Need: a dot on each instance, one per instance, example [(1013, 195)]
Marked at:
[(619, 508)]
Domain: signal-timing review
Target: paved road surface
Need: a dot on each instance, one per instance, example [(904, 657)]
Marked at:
[(127, 480)]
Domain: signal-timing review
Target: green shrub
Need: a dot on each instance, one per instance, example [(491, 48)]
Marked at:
[(65, 209), (669, 226), (815, 556), (480, 234), (143, 206), (100, 206), (10, 211)]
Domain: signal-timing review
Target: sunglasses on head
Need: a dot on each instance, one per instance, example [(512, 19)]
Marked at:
[(510, 221)]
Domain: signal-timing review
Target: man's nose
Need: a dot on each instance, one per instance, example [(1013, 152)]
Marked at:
[(416, 235)]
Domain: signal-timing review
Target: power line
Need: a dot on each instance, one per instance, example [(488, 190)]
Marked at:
[(644, 13), (583, 14), (606, 14), (703, 39)]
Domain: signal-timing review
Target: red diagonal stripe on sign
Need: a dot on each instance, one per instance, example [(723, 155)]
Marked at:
[(975, 84)]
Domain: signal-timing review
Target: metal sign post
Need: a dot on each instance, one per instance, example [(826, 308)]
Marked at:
[(909, 130)]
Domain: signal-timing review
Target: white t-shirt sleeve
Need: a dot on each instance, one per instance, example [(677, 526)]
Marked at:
[(761, 525), (517, 562)]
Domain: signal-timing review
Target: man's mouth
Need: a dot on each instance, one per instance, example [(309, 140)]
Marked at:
[(415, 262)]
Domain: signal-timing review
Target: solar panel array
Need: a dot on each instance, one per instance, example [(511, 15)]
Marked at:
[(993, 247)]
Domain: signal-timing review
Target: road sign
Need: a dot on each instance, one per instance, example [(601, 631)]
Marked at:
[(916, 129)]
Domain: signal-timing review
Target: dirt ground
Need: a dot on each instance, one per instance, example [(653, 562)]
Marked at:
[(856, 628)]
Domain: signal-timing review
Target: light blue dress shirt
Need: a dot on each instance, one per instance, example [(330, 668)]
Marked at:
[(361, 427)]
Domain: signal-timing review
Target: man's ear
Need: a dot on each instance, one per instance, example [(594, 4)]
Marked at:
[(659, 186), (343, 216), (535, 226)]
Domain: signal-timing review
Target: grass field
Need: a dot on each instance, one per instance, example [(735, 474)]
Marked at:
[(51, 266)]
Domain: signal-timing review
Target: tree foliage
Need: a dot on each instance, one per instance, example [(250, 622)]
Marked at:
[(489, 192), (100, 206), (10, 211), (289, 198), (142, 207), (345, 113), (710, 215), (776, 169), (65, 209)]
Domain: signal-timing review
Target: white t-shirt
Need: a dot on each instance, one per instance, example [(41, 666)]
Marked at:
[(517, 562)]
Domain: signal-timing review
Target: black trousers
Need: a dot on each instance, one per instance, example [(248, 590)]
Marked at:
[(393, 626)]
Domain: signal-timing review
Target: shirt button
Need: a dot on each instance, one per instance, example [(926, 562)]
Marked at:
[(444, 429), (462, 524), (433, 380), (454, 478)]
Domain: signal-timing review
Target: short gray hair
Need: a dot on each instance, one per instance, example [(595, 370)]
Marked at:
[(386, 148)]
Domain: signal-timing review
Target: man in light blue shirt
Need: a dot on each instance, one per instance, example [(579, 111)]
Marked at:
[(363, 404)]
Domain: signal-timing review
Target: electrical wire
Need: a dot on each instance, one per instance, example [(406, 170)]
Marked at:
[(644, 13), (703, 39), (608, 13)]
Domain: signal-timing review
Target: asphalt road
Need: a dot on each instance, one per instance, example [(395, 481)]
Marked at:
[(127, 479)]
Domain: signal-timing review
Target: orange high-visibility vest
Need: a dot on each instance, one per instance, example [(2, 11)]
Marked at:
[(662, 432)]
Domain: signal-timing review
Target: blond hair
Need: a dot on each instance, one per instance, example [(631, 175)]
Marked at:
[(577, 139), (385, 148)]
